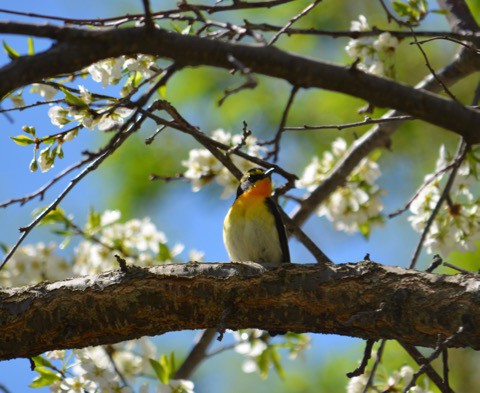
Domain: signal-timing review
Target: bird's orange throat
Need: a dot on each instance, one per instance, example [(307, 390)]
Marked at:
[(262, 188)]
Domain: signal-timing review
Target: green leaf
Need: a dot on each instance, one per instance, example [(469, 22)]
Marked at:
[(54, 217), (72, 99), (176, 27), (40, 361), (4, 248), (164, 253), (440, 11), (65, 243), (162, 91), (22, 140), (45, 378), (11, 53), (94, 219), (275, 357), (263, 362), (29, 130), (31, 47), (160, 371), (48, 139), (173, 366), (400, 8)]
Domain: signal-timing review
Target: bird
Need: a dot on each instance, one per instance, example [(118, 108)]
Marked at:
[(253, 230)]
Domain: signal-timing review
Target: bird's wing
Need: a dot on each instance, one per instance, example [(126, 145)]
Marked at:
[(282, 234)]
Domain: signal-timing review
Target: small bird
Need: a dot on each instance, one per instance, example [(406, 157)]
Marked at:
[(253, 229)]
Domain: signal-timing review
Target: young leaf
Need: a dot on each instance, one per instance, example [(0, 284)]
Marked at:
[(12, 53), (54, 217), (45, 378), (22, 140), (164, 253), (275, 357), (72, 99), (31, 47), (263, 362), (160, 371), (40, 361)]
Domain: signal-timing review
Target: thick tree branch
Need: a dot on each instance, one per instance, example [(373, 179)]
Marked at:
[(80, 48), (362, 299)]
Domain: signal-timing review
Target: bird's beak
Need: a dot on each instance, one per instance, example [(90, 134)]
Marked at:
[(269, 171)]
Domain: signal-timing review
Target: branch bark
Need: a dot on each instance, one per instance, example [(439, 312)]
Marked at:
[(78, 48), (362, 299)]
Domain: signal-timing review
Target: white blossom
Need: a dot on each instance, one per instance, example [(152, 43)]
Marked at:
[(58, 116), (17, 100), (139, 239), (457, 223), (34, 263), (176, 386), (85, 95), (108, 71), (195, 255), (46, 159), (46, 91), (144, 64), (56, 354), (354, 206), (360, 25), (113, 119), (77, 384), (203, 167), (357, 384), (375, 54), (385, 42)]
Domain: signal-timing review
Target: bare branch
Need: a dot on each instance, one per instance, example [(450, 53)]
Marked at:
[(191, 50)]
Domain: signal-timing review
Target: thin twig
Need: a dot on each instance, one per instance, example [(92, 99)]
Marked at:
[(367, 121), (471, 47), (283, 121), (367, 354), (461, 152), (430, 68), (148, 14), (422, 187), (416, 355), (374, 32), (444, 344), (293, 20), (38, 103), (445, 369), (378, 359), (458, 269), (250, 81), (109, 350), (437, 261), (4, 389), (245, 134)]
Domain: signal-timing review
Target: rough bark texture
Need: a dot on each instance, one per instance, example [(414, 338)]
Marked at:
[(362, 299)]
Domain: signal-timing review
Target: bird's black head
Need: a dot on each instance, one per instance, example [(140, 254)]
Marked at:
[(251, 177)]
